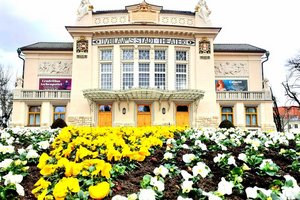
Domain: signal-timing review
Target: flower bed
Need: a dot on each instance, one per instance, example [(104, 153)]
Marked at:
[(161, 163)]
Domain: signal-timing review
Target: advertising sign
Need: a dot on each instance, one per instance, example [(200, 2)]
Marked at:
[(55, 84), (231, 85)]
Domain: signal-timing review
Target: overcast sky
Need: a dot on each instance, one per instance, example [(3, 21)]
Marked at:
[(268, 24)]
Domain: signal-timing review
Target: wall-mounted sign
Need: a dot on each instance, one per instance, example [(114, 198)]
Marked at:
[(55, 84), (143, 40), (231, 85), (82, 48)]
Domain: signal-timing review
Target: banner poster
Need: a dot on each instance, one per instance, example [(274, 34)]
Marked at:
[(55, 84), (231, 85)]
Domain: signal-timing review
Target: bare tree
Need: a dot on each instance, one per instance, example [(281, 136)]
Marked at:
[(276, 115), (6, 97), (292, 83)]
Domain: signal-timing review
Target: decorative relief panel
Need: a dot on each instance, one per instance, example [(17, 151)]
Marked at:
[(182, 21), (55, 67), (111, 20), (231, 68)]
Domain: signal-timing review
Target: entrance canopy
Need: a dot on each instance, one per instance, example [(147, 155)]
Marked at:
[(98, 95)]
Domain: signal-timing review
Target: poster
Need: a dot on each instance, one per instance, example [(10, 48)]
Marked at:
[(231, 85), (55, 84)]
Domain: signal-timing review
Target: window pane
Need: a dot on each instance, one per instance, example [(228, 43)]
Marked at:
[(34, 109), (31, 119), (181, 55), (105, 108), (106, 54), (144, 80), (106, 81), (127, 67), (230, 118), (296, 125), (59, 109), (248, 121), (180, 68), (180, 81), (224, 117), (182, 109), (160, 54), (254, 121), (144, 54), (226, 110), (106, 68), (160, 67), (56, 116), (37, 119), (62, 116), (251, 110), (127, 80), (160, 81), (144, 67), (143, 108), (127, 54)]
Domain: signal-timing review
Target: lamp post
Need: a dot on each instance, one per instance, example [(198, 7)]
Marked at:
[(19, 51)]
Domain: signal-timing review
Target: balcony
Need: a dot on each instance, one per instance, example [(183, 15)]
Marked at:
[(244, 96), (20, 94)]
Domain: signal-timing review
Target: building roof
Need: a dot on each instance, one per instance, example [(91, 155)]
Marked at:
[(238, 48), (162, 11), (49, 46), (289, 111), (68, 46)]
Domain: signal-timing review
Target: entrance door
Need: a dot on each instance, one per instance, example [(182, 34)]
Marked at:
[(182, 116), (144, 115), (104, 115)]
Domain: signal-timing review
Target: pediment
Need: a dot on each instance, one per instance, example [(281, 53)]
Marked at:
[(144, 13)]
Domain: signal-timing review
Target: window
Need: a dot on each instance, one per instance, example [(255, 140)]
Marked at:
[(127, 54), (227, 113), (160, 54), (59, 112), (106, 76), (251, 116), (144, 75), (296, 125), (160, 76), (106, 66), (180, 77), (105, 108), (181, 58), (143, 108), (127, 75), (34, 115), (144, 54)]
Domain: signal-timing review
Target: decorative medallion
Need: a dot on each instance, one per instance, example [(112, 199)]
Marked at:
[(82, 48), (204, 46)]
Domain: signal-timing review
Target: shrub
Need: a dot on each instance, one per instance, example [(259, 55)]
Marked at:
[(58, 123), (226, 124)]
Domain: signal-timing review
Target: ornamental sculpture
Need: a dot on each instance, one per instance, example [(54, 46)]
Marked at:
[(227, 68), (56, 67), (83, 9), (203, 11)]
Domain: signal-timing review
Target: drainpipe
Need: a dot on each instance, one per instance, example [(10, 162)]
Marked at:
[(19, 55), (262, 67)]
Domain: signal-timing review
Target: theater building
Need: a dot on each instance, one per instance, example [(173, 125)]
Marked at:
[(141, 66)]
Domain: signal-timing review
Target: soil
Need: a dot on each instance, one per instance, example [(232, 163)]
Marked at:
[(130, 182)]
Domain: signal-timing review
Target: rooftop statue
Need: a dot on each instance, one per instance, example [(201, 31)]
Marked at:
[(203, 11), (83, 9)]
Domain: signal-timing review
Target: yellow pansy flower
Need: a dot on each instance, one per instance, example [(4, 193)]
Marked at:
[(100, 191)]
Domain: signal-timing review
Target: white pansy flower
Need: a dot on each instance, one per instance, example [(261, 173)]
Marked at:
[(219, 157), (183, 198), (225, 187), (289, 136), (5, 135), (168, 156), (6, 163), (28, 134), (170, 141), (44, 144), (185, 146), (231, 161), (187, 186), (10, 178), (245, 167), (251, 192), (7, 149), (21, 151), (264, 162), (158, 184), (242, 157), (188, 158), (202, 146), (20, 189), (32, 154), (119, 197), (186, 175), (147, 194), (9, 141), (132, 196), (29, 147), (211, 196), (161, 170), (202, 169)]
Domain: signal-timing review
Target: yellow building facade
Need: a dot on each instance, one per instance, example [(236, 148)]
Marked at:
[(141, 66)]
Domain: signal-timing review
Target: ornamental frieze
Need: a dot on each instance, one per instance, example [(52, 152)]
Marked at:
[(231, 68), (55, 67)]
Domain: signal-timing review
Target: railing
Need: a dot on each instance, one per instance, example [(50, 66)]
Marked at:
[(245, 96), (41, 94)]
